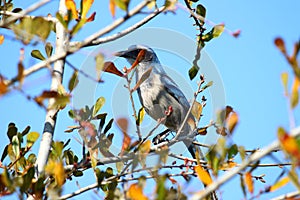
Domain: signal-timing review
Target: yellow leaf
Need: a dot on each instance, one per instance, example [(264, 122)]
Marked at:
[(135, 192), (197, 110), (56, 169), (70, 4), (145, 147), (295, 94), (228, 165), (203, 175), (284, 80), (249, 182), (85, 7), (232, 121), (151, 5), (1, 39), (279, 184)]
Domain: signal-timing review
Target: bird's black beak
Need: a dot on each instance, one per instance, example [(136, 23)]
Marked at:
[(127, 54), (121, 54)]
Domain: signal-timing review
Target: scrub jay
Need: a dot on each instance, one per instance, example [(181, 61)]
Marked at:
[(159, 93)]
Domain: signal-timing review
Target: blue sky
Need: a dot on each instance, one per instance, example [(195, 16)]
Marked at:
[(249, 67)]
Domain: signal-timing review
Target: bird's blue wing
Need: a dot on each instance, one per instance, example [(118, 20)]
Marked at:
[(173, 89)]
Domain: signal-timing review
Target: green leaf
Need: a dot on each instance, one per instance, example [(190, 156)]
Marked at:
[(210, 83), (48, 49), (37, 54), (77, 27), (161, 190), (24, 30), (232, 151), (41, 27), (123, 4), (26, 131), (201, 10), (119, 166), (78, 173), (73, 81), (193, 72), (108, 126), (4, 154), (284, 80), (16, 145), (100, 176), (27, 179), (31, 158), (294, 98), (98, 105), (12, 131), (72, 114), (102, 118), (60, 18), (218, 30), (31, 138), (99, 64)]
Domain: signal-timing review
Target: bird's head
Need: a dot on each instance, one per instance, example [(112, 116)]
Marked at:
[(133, 51)]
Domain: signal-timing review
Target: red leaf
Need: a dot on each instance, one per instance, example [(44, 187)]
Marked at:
[(91, 18), (111, 68)]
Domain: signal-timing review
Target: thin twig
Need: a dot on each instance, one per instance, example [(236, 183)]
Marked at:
[(126, 31), (78, 45), (31, 8), (230, 174), (138, 130), (18, 15)]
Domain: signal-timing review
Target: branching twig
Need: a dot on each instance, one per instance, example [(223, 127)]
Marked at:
[(31, 8), (254, 157)]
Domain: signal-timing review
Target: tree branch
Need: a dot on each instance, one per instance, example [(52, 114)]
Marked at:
[(57, 77), (230, 174), (31, 8)]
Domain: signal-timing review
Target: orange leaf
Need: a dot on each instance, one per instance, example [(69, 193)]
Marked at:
[(1, 39), (112, 7), (45, 95), (138, 59), (3, 86), (111, 68), (85, 7), (135, 192), (232, 121), (288, 143), (249, 182), (203, 175), (279, 184), (71, 5)]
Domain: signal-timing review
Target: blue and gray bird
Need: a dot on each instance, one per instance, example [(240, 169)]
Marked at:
[(159, 93)]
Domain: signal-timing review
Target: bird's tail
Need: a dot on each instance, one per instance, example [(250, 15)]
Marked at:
[(193, 149)]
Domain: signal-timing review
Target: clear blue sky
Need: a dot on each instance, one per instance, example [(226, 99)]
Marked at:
[(249, 66)]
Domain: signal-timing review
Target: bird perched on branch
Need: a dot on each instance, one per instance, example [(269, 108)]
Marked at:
[(159, 94)]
